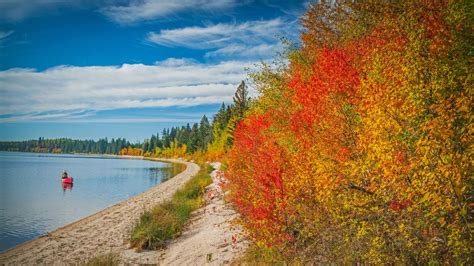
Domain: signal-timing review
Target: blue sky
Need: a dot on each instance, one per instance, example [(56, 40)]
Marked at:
[(128, 68)]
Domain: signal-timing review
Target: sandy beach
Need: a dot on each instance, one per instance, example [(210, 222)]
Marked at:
[(103, 232)]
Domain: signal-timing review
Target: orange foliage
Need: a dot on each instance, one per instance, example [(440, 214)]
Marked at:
[(369, 153), (130, 151), (257, 165)]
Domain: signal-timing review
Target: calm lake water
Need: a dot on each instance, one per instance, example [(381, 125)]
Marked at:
[(33, 201)]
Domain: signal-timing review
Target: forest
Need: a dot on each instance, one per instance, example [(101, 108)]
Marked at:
[(65, 145)]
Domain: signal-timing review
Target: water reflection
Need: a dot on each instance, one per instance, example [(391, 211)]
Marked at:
[(156, 175), (166, 173)]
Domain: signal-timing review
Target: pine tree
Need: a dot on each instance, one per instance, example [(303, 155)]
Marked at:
[(152, 145), (220, 116), (159, 143), (145, 145), (194, 138), (241, 101), (166, 138), (205, 133)]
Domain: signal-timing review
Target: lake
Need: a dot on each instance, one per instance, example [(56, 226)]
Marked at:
[(33, 200)]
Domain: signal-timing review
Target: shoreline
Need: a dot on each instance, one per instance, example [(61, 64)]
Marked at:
[(99, 233)]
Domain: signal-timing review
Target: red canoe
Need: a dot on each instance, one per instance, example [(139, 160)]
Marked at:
[(67, 186), (67, 180)]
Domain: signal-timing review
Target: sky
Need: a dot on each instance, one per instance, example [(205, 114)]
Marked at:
[(89, 69)]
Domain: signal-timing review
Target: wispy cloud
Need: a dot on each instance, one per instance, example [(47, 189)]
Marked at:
[(248, 39), (66, 91), (70, 118), (126, 120), (119, 11), (46, 116), (220, 35), (263, 50), (5, 34), (144, 10)]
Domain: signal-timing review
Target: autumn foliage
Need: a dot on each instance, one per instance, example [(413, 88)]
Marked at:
[(259, 162), (360, 149)]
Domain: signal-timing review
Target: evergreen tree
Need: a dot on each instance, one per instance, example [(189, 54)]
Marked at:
[(145, 145), (222, 117), (194, 138), (152, 145), (166, 138), (159, 143), (173, 133), (241, 101), (205, 133)]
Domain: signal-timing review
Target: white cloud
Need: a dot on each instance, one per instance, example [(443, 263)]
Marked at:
[(143, 10), (133, 120), (48, 116), (170, 62), (70, 91), (120, 11), (251, 39), (71, 118), (220, 35), (243, 51)]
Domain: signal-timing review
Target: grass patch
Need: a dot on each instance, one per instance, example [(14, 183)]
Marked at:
[(109, 259), (166, 220)]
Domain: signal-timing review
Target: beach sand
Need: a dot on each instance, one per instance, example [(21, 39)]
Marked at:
[(103, 232)]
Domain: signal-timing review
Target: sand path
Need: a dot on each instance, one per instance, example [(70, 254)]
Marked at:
[(100, 233)]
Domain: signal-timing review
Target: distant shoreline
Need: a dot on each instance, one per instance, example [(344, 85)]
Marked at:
[(114, 156), (80, 153)]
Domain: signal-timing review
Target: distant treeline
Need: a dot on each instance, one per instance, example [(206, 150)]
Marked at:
[(204, 136), (65, 145)]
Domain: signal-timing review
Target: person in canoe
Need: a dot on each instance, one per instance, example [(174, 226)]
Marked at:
[(65, 174)]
